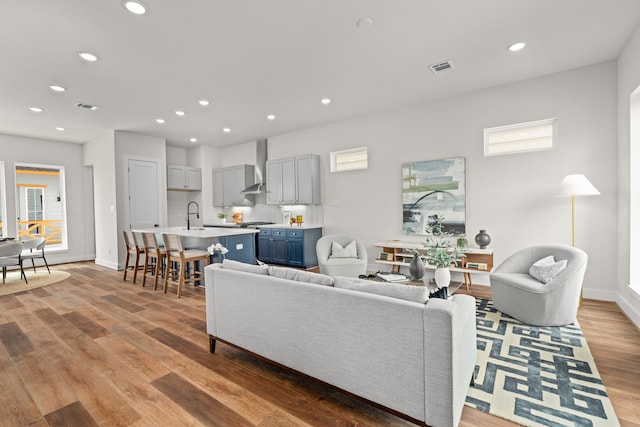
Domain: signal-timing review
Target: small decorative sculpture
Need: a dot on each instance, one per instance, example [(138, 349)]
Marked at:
[(416, 267), (483, 239)]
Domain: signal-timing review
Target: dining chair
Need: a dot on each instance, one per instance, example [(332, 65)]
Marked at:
[(155, 259), (10, 256), (181, 267), (133, 252), (32, 249)]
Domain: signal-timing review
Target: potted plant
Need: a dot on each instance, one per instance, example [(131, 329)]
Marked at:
[(223, 217), (440, 252), (216, 252), (462, 243)]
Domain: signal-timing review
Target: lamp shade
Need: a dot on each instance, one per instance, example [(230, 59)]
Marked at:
[(577, 185)]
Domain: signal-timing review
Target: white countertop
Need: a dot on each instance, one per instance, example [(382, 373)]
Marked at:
[(200, 232), (292, 227)]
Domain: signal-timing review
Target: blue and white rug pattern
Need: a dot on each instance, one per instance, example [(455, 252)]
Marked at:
[(536, 376)]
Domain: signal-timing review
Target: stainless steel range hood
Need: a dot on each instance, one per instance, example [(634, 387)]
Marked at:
[(260, 169)]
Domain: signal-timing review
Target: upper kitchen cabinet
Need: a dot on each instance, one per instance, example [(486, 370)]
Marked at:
[(294, 180), (229, 182), (184, 178)]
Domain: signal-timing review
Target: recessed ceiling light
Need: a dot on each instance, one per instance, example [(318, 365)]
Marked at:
[(135, 7), (193, 139), (517, 46), (179, 113), (60, 129), (89, 57), (364, 23), (271, 117), (36, 109), (161, 121), (325, 101), (226, 130), (57, 88), (203, 102)]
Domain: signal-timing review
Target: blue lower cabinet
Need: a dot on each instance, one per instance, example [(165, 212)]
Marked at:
[(279, 250), (289, 246), (296, 252)]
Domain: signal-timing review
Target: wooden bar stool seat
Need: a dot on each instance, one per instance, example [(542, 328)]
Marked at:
[(155, 257), (133, 251), (178, 270)]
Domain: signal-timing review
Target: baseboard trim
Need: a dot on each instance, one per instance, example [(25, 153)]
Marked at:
[(108, 264), (629, 310), (599, 294)]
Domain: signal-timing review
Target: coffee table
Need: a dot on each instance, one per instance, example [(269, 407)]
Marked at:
[(453, 285)]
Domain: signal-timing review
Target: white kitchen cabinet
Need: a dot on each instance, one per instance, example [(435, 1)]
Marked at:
[(218, 188), (229, 182), (307, 179), (294, 180), (281, 181), (185, 178)]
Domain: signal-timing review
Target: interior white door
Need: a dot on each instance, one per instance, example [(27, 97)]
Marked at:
[(143, 194)]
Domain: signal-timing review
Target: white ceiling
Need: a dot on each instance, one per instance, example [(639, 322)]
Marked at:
[(251, 58)]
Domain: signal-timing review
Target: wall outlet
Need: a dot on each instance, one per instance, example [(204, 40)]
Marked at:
[(239, 246)]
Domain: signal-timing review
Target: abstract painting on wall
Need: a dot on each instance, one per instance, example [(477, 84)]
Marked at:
[(430, 189)]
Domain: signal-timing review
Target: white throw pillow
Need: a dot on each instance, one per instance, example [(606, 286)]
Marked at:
[(547, 268), (349, 251)]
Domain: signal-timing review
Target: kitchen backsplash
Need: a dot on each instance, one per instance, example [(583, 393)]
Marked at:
[(177, 208), (312, 214)]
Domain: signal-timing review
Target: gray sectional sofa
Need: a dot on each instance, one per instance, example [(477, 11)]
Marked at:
[(403, 352)]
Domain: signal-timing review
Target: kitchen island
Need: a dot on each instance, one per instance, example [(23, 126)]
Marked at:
[(239, 241)]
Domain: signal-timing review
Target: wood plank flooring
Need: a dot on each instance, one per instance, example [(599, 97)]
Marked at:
[(97, 351)]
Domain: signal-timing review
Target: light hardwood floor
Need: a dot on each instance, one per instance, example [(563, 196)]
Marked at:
[(94, 350)]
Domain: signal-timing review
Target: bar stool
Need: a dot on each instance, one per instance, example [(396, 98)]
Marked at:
[(178, 260), (133, 251), (155, 257)]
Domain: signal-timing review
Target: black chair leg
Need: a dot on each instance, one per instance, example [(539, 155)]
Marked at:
[(45, 263), (23, 274), (33, 263)]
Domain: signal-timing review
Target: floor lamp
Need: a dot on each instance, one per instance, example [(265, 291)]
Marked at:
[(576, 185)]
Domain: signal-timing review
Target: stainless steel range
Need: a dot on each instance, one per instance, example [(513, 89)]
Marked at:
[(254, 224)]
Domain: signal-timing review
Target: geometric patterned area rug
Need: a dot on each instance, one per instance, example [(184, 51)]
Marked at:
[(536, 376), (14, 282)]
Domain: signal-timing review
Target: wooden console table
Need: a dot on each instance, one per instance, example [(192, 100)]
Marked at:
[(398, 254)]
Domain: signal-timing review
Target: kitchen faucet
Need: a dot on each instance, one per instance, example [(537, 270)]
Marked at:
[(189, 213)]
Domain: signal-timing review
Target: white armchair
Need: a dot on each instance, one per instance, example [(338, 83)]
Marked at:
[(338, 264), (519, 295)]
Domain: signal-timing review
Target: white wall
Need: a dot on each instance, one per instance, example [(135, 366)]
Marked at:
[(100, 155), (17, 149), (510, 196), (628, 81)]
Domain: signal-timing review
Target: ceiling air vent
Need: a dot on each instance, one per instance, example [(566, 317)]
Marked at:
[(441, 67), (87, 106)]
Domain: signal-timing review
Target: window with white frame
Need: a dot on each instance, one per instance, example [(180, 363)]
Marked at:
[(351, 159), (41, 203), (520, 138)]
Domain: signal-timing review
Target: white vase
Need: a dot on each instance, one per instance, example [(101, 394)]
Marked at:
[(223, 220), (443, 277)]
